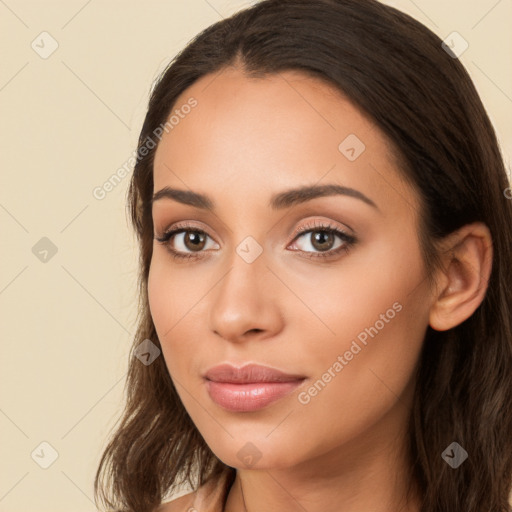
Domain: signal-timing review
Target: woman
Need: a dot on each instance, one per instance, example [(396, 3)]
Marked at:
[(325, 267)]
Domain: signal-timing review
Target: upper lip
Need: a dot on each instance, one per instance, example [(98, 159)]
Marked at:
[(248, 374)]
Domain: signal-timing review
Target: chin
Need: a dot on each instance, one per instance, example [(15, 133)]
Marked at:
[(264, 454)]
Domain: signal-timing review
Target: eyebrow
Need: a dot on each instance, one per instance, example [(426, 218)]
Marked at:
[(278, 201)]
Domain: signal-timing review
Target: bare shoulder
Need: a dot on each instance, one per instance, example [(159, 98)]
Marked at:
[(181, 504)]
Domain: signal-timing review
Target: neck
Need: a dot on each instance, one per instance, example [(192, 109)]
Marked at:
[(368, 473)]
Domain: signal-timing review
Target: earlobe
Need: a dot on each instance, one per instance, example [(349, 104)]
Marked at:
[(467, 265)]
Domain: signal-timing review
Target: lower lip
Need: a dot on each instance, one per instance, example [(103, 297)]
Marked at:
[(249, 397)]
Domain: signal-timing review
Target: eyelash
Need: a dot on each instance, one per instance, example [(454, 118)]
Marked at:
[(348, 240)]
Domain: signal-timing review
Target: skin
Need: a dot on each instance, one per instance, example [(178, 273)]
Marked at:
[(246, 140)]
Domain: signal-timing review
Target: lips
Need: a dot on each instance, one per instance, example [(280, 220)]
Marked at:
[(249, 388), (250, 373)]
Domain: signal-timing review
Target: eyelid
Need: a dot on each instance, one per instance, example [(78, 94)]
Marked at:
[(317, 224), (183, 226), (348, 240)]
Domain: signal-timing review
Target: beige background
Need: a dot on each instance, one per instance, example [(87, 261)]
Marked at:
[(68, 123)]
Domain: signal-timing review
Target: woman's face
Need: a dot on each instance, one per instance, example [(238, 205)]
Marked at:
[(348, 313)]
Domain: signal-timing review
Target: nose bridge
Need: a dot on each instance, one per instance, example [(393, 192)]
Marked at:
[(245, 277), (243, 299)]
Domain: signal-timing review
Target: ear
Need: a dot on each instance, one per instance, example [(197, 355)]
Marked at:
[(462, 283)]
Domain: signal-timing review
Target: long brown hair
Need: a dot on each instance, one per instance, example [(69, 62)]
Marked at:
[(396, 71)]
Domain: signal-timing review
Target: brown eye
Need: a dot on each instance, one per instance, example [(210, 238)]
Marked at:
[(322, 240), (186, 242), (194, 240)]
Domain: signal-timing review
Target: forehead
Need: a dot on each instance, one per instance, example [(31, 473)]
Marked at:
[(266, 134)]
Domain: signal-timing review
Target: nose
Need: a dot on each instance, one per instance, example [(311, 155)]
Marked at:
[(244, 304)]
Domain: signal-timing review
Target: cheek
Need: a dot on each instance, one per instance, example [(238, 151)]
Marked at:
[(368, 287), (359, 377), (173, 298), (374, 314), (158, 299), (163, 306), (171, 295)]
